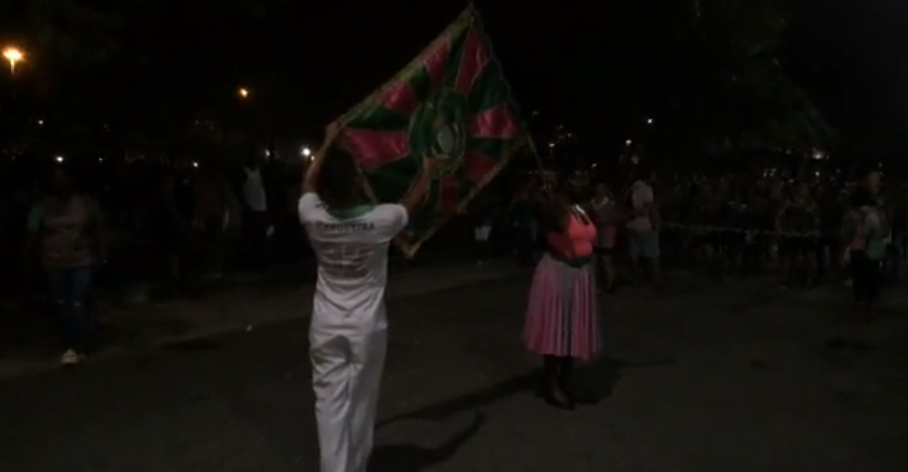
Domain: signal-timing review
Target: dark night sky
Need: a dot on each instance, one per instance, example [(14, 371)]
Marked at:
[(307, 63), (852, 56)]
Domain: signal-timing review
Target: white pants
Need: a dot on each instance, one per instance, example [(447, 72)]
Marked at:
[(346, 376)]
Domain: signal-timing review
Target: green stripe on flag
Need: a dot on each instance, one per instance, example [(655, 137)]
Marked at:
[(390, 182), (457, 42), (494, 149), (420, 82), (490, 89), (379, 118), (425, 216)]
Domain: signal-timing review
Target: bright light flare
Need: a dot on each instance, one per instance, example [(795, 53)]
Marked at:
[(244, 92), (59, 159), (14, 56), (306, 151)]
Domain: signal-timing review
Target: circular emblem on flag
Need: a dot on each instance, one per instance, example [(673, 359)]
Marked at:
[(438, 130), (452, 106)]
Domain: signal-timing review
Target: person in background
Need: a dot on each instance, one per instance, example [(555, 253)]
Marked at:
[(830, 216), (862, 228), (66, 226), (735, 240), (562, 318), (524, 225), (607, 216), (797, 223), (714, 203), (483, 220), (210, 221), (643, 227), (257, 222), (900, 226), (348, 332), (179, 202), (890, 269)]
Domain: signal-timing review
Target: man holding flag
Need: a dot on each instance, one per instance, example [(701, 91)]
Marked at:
[(431, 138), (348, 332)]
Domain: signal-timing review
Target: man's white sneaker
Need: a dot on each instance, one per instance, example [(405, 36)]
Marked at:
[(69, 358)]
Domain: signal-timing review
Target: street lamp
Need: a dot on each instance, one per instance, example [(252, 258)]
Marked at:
[(13, 55), (244, 92)]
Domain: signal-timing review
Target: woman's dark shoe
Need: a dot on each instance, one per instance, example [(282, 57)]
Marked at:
[(547, 391), (570, 399), (564, 386), (557, 398)]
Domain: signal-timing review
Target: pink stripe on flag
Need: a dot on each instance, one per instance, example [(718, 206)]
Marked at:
[(400, 98), (374, 149), (435, 63), (496, 122), (448, 197), (477, 165), (472, 61)]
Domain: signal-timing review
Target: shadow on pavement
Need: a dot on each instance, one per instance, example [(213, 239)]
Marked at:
[(412, 458), (468, 402), (593, 382)]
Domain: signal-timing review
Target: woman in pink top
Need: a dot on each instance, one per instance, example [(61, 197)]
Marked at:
[(562, 321)]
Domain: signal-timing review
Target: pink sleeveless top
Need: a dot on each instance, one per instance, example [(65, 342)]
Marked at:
[(576, 240)]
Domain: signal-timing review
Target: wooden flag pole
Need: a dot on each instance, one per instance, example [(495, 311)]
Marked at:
[(532, 145)]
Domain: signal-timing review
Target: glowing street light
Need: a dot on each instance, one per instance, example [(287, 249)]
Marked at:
[(628, 143), (59, 158), (649, 121), (14, 56), (244, 92), (306, 151)]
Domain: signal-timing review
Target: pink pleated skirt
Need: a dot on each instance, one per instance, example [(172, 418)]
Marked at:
[(562, 318)]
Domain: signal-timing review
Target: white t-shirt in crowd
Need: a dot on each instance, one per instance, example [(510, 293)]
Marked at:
[(352, 253), (254, 190), (641, 197)]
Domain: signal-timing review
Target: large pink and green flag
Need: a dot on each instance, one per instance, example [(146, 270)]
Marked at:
[(451, 104)]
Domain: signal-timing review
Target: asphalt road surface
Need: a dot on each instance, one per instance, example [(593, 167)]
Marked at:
[(694, 378)]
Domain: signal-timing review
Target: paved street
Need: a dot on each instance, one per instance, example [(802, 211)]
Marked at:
[(697, 377)]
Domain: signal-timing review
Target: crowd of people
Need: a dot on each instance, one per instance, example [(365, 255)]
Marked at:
[(808, 232), (181, 218), (144, 221), (571, 228), (577, 231), (726, 226)]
